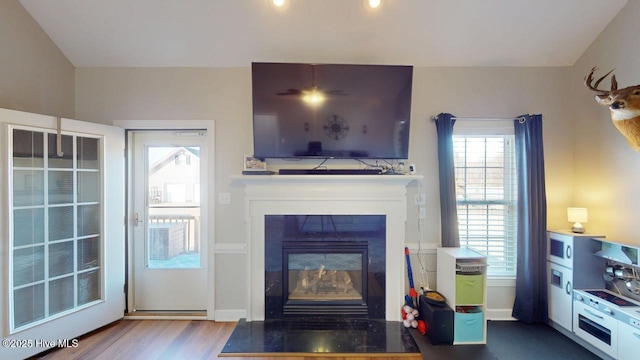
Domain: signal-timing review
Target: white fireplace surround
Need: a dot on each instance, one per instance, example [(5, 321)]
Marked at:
[(326, 195)]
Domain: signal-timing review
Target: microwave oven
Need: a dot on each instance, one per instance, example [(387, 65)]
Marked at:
[(560, 249)]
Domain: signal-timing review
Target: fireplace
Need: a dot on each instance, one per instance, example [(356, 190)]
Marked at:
[(326, 266), (320, 200)]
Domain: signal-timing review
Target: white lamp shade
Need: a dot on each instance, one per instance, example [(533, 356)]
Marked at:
[(578, 215)]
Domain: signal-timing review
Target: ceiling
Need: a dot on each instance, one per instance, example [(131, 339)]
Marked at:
[(226, 33)]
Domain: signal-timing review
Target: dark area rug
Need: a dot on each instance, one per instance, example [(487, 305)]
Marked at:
[(508, 340)]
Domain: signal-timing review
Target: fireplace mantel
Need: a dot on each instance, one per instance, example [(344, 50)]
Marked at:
[(325, 195), (384, 183)]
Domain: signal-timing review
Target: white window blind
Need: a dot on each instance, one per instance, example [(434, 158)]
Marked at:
[(486, 198)]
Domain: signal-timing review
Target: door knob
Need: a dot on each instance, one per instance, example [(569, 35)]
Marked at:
[(136, 219)]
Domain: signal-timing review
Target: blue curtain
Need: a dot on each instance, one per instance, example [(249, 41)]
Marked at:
[(448, 208), (530, 304)]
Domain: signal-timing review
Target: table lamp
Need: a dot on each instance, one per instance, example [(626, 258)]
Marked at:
[(577, 216)]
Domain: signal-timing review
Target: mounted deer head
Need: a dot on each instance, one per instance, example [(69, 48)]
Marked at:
[(624, 105)]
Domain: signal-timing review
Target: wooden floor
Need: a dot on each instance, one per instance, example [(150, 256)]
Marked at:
[(168, 339)]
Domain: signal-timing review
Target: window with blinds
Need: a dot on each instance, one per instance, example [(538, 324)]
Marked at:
[(486, 198), (56, 225)]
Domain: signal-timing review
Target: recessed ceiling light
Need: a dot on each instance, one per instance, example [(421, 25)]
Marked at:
[(371, 5), (280, 5)]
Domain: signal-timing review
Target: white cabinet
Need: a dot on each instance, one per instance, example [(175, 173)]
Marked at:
[(462, 281), (570, 264), (628, 340)]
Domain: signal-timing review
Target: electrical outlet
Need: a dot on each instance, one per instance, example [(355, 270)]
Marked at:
[(423, 286), (224, 198), (421, 199), (422, 213)]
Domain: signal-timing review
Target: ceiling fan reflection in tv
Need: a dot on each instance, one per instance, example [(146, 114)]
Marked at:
[(313, 94)]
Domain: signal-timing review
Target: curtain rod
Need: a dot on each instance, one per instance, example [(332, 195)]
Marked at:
[(522, 119)]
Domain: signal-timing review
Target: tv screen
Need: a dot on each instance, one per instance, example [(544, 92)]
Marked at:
[(331, 110)]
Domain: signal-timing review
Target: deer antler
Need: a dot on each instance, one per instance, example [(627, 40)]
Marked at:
[(589, 79)]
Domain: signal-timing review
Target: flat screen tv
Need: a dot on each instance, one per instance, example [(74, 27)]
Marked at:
[(331, 110)]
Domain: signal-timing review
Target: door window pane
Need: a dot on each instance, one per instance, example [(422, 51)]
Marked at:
[(60, 222), (88, 153), (88, 220), (88, 287), (28, 226), (88, 253), (173, 175), (60, 295), (28, 187), (60, 263), (87, 189), (60, 187), (28, 305), (28, 149), (28, 265), (64, 161)]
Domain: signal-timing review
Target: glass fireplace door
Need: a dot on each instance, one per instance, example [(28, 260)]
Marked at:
[(325, 266), (325, 276)]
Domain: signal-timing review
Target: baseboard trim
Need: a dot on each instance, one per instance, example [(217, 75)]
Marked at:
[(166, 315), (229, 315), (500, 315), (230, 249)]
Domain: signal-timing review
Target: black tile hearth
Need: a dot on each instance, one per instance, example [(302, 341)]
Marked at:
[(342, 336)]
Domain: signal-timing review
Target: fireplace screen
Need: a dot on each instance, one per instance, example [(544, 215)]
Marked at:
[(325, 276)]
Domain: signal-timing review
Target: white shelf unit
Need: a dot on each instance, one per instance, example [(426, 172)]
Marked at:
[(462, 280)]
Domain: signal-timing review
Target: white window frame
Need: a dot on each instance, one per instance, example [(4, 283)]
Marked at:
[(506, 239)]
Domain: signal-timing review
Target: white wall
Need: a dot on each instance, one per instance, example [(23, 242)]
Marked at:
[(104, 94), (35, 75), (110, 94), (607, 171)]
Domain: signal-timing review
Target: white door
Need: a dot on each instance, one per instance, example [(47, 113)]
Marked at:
[(168, 235), (62, 230)]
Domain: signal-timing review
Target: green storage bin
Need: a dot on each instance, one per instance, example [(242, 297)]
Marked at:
[(469, 289)]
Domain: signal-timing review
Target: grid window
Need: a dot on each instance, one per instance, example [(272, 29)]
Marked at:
[(486, 199), (56, 225)]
